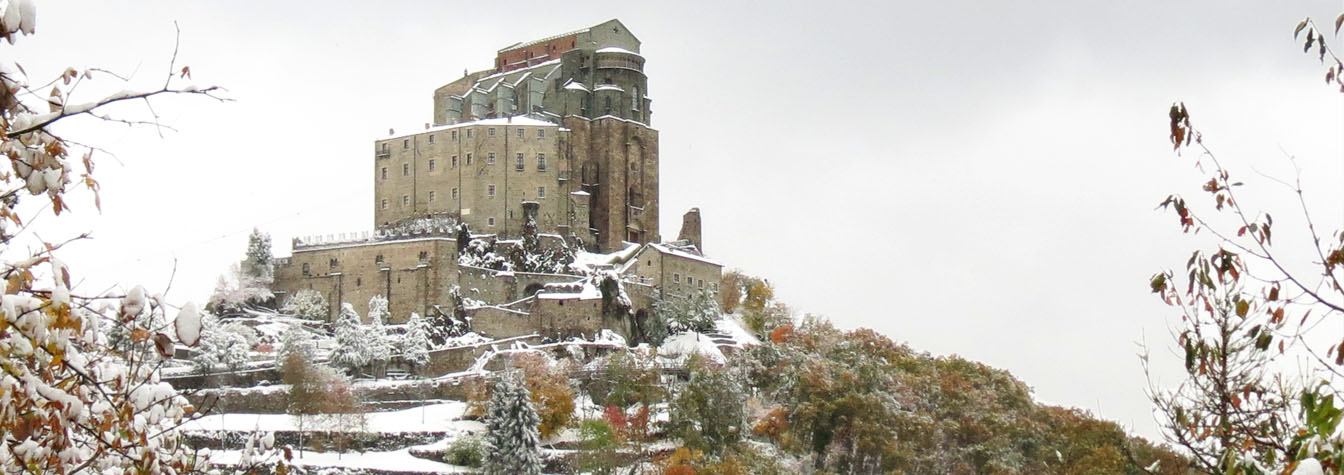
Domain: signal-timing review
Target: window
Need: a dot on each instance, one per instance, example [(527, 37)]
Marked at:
[(541, 162), (714, 286), (454, 162), (541, 133), (387, 147), (359, 282), (490, 159), (702, 283), (520, 133), (383, 175), (431, 138), (405, 200), (454, 194), (405, 169), (468, 133), (454, 135), (492, 131), (676, 277), (634, 167), (541, 192), (307, 271), (405, 143), (424, 256), (520, 165), (490, 191), (384, 204), (334, 264), (431, 197), (468, 159), (378, 261), (489, 221), (431, 165)]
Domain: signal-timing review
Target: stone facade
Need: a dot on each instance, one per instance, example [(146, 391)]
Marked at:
[(676, 270), (557, 130), (413, 274)]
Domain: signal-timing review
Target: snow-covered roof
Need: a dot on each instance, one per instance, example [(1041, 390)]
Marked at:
[(609, 87), (521, 120), (589, 260), (575, 85), (616, 49), (669, 250), (576, 291)]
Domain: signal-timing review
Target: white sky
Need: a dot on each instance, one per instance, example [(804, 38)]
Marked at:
[(974, 178)]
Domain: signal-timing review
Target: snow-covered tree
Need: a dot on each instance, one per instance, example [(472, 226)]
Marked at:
[(709, 412), (511, 429), (222, 348), (698, 312), (379, 343), (258, 261), (444, 325), (296, 341), (237, 290), (69, 402), (352, 350), (306, 303), (415, 344)]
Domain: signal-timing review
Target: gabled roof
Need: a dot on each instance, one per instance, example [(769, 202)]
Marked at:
[(562, 35)]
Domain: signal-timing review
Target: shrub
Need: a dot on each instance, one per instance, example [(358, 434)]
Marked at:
[(467, 451)]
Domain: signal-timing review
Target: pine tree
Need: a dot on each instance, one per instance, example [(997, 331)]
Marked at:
[(511, 424), (415, 343), (258, 262), (378, 343), (352, 343)]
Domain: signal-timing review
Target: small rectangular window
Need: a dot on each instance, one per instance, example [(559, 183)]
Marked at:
[(386, 146), (454, 162), (405, 200), (541, 133), (541, 162), (676, 277), (492, 131), (490, 191), (431, 196), (431, 138), (489, 221), (468, 159), (378, 260), (468, 133), (541, 192), (454, 194), (520, 165), (383, 205), (520, 133), (405, 143), (424, 256), (405, 169), (384, 173), (307, 271), (490, 159), (454, 135), (431, 165)]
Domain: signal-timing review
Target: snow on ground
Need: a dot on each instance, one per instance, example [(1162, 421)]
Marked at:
[(678, 348), (441, 417), (400, 460), (731, 325)]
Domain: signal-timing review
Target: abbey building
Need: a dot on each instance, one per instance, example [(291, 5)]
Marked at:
[(552, 143)]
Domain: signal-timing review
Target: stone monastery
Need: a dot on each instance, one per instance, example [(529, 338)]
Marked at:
[(553, 144)]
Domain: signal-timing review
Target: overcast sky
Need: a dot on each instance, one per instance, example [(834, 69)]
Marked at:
[(973, 178)]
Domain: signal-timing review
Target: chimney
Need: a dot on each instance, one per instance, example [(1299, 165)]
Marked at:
[(690, 229)]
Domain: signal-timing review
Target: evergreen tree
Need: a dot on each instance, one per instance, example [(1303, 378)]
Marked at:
[(258, 262), (511, 432), (352, 343), (379, 344), (709, 413), (415, 343)]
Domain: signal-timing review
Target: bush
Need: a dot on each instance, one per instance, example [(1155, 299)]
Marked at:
[(306, 303), (467, 451)]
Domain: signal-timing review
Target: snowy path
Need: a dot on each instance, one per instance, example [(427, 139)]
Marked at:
[(441, 417), (397, 461)]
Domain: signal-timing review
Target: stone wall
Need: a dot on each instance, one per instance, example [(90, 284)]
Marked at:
[(414, 274)]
